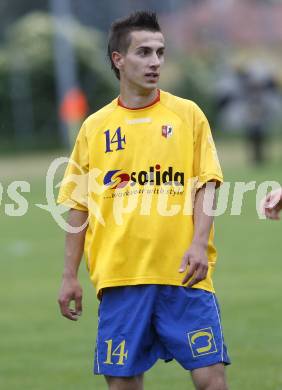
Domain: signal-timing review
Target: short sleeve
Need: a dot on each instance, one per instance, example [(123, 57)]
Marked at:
[(74, 186), (206, 163)]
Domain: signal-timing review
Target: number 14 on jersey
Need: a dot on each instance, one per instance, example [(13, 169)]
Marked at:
[(116, 141)]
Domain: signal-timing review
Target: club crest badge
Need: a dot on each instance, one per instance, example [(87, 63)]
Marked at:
[(167, 131)]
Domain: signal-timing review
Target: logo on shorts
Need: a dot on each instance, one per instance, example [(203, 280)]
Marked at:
[(202, 342)]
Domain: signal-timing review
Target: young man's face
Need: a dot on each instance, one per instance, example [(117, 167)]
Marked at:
[(140, 66)]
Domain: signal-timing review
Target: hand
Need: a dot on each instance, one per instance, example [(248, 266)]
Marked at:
[(272, 204), (196, 258), (70, 291)]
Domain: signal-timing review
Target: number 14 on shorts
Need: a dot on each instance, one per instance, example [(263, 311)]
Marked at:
[(119, 352)]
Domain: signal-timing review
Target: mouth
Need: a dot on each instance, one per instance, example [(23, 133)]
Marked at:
[(152, 76)]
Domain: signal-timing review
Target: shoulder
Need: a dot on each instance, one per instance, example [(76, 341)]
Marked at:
[(98, 117), (186, 109)]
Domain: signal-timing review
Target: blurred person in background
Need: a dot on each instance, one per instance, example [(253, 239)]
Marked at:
[(272, 204), (249, 99), (260, 99), (146, 137)]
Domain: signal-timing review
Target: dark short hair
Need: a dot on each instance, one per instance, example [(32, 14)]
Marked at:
[(119, 35)]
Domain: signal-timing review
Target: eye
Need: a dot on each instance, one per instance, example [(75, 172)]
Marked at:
[(144, 51)]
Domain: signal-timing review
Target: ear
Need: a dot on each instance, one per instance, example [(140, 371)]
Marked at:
[(117, 59)]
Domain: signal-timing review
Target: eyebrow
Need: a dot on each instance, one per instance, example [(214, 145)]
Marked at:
[(149, 47)]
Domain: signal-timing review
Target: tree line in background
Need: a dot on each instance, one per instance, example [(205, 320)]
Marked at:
[(28, 109), (28, 97), (89, 12)]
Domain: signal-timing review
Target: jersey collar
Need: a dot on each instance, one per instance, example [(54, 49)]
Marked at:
[(140, 108)]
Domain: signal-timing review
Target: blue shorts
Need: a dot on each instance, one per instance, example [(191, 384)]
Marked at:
[(140, 324)]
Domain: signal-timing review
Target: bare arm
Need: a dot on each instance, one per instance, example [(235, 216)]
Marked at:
[(196, 255), (70, 288)]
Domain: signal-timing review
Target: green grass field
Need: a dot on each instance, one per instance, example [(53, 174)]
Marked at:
[(40, 350)]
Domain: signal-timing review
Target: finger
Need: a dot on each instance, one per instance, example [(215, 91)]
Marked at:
[(194, 281), (268, 203), (267, 200), (63, 304), (183, 264), (266, 206), (269, 213), (65, 309), (272, 201), (198, 276), (189, 274), (71, 315), (272, 214), (78, 304), (275, 215)]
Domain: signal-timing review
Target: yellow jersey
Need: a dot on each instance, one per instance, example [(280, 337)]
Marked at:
[(133, 170)]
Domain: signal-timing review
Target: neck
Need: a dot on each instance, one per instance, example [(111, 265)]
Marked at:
[(137, 99)]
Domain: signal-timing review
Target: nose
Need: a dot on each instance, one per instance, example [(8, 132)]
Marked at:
[(154, 60)]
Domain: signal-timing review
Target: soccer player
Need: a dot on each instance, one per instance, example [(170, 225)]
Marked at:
[(272, 204), (149, 256)]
